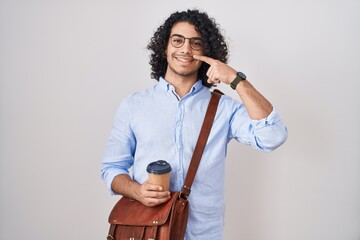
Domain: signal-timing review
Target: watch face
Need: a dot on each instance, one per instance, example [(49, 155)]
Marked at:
[(241, 75)]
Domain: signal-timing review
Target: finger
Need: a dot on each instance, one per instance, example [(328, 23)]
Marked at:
[(156, 195), (212, 76), (206, 59), (209, 71), (152, 187), (212, 81), (151, 202), (161, 195)]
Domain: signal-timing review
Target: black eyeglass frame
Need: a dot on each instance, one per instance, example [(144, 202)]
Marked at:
[(191, 41)]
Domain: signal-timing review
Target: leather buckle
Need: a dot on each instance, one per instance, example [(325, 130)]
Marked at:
[(183, 196), (185, 192)]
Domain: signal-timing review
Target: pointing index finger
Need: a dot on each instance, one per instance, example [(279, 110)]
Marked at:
[(206, 59)]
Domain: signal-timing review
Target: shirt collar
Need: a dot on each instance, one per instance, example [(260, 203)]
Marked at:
[(168, 87)]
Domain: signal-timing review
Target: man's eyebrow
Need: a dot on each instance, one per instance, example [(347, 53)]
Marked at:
[(176, 34)]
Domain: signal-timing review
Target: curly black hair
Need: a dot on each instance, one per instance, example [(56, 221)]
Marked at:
[(214, 43)]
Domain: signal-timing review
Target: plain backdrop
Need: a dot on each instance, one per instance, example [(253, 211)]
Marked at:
[(66, 65)]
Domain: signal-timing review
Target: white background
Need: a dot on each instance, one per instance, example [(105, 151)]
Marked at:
[(66, 65)]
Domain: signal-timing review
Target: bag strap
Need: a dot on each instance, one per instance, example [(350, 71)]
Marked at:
[(201, 142)]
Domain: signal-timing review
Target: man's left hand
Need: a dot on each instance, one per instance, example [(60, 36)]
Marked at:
[(218, 71)]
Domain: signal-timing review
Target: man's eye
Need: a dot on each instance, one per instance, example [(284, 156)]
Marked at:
[(178, 40), (197, 43)]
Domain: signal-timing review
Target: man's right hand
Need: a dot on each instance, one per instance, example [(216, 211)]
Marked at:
[(152, 195), (148, 194)]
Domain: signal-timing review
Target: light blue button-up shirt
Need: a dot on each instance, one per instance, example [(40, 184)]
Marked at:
[(157, 124)]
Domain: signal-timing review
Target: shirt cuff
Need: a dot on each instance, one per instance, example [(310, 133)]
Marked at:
[(273, 118), (109, 178)]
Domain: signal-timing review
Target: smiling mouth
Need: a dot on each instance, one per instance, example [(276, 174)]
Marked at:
[(184, 58)]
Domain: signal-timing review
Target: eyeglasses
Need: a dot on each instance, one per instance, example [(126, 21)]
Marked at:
[(178, 41)]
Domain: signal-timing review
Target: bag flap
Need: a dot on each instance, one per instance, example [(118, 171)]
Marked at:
[(131, 212)]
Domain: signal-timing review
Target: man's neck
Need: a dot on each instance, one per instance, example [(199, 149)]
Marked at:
[(182, 84)]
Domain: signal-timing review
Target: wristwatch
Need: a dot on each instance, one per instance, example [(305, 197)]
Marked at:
[(239, 77)]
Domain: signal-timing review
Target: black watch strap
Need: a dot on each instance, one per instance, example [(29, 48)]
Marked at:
[(239, 77)]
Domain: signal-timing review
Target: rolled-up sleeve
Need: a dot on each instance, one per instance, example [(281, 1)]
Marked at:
[(120, 148), (270, 132), (265, 134)]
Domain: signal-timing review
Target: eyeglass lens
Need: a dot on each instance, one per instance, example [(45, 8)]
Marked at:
[(179, 40)]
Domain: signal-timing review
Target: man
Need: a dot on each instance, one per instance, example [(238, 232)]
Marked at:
[(164, 121)]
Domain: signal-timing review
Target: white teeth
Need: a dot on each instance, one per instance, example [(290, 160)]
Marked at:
[(185, 59)]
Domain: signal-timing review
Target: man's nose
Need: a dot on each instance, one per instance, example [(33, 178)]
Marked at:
[(186, 47)]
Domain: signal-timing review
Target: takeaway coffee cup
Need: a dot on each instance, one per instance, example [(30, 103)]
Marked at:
[(159, 173)]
